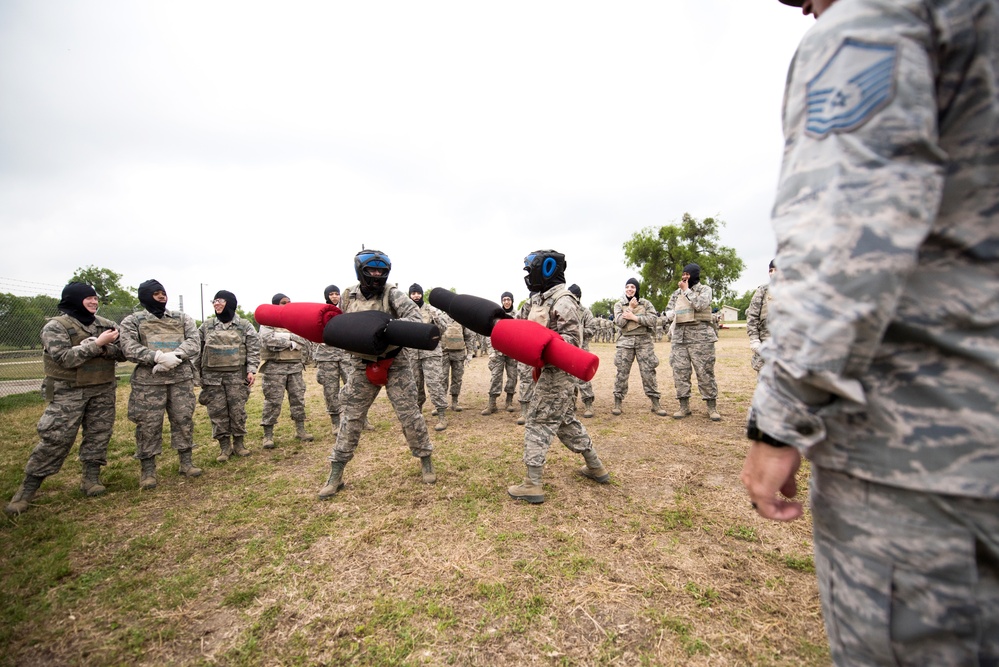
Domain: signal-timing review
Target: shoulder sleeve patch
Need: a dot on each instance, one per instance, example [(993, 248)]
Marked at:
[(856, 83)]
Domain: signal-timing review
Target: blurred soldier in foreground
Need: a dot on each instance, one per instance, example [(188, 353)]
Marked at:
[(230, 354), (757, 316), (79, 350), (284, 355), (164, 344), (553, 411), (883, 362)]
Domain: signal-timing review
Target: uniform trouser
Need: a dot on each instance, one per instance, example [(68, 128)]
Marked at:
[(526, 386), (701, 358), (226, 405), (358, 396), (274, 387), (146, 405), (454, 371), (643, 350), (553, 413), (497, 364), (330, 374), (90, 407), (919, 589), (428, 374), (585, 390)]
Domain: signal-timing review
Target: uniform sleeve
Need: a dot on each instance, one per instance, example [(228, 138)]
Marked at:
[(854, 204), (753, 315), (649, 317), (700, 299), (567, 324), (618, 312), (190, 348), (58, 345), (252, 341), (128, 340)]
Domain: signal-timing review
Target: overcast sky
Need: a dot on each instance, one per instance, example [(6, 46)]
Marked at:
[(255, 146)]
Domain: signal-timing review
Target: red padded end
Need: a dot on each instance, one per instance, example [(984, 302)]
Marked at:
[(522, 339), (571, 359), (305, 319)]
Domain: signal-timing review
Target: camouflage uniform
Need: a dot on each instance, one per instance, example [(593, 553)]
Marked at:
[(359, 393), (553, 410), (86, 400), (693, 344), (455, 357), (636, 343), (525, 373), (333, 367), (224, 390), (283, 370), (589, 324), (142, 336), (757, 325), (883, 365), (428, 365)]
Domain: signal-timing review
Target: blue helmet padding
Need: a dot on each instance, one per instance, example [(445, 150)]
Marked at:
[(549, 266)]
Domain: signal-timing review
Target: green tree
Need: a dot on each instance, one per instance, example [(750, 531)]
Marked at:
[(108, 285), (22, 317), (247, 316), (660, 255), (603, 307), (742, 303)]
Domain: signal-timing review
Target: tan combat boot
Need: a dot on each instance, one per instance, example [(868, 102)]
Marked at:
[(19, 503), (147, 479), (334, 482), (658, 409), (684, 410), (91, 482), (301, 433), (225, 448), (441, 419), (594, 469), (509, 402), (713, 410), (616, 410), (454, 404), (491, 408), (530, 489), (523, 413), (587, 407), (237, 446), (427, 470), (187, 468)]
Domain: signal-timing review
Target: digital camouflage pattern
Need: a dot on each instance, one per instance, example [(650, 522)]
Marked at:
[(359, 393), (553, 411), (224, 392), (333, 367), (883, 362), (636, 344), (71, 407), (170, 392), (757, 321), (453, 361), (428, 369), (282, 376), (693, 345), (590, 326)]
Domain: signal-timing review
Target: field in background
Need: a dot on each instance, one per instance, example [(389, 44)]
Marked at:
[(667, 565)]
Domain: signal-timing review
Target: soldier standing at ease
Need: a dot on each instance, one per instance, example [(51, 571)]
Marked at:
[(332, 367), (79, 350), (372, 293), (637, 318), (883, 363), (230, 354), (428, 368), (757, 319), (498, 363), (553, 411), (164, 344), (284, 355), (693, 341), (457, 343)]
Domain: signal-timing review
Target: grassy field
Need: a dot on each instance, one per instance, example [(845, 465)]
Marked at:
[(667, 565)]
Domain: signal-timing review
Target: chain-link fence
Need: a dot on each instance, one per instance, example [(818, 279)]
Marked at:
[(21, 321)]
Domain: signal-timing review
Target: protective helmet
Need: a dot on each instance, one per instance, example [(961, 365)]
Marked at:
[(545, 269), (793, 3), (366, 260)]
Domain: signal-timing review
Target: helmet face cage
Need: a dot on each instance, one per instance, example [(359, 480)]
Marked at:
[(366, 260), (542, 266)]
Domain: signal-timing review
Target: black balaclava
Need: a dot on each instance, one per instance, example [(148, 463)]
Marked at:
[(772, 265), (415, 287), (638, 287), (509, 294), (574, 288), (146, 290), (73, 295), (276, 299), (230, 306), (326, 292), (695, 274)]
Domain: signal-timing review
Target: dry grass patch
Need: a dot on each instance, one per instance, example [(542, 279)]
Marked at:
[(667, 565)]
